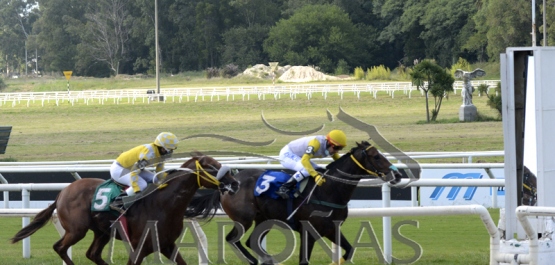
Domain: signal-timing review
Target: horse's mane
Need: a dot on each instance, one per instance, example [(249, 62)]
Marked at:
[(339, 161)]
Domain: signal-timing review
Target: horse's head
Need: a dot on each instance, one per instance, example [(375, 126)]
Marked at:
[(371, 161), (211, 174)]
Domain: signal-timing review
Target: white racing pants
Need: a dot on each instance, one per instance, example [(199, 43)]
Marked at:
[(123, 176), (292, 161)]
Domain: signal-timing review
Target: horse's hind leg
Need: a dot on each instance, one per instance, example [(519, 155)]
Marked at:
[(266, 258), (168, 253), (234, 238), (68, 240), (95, 250)]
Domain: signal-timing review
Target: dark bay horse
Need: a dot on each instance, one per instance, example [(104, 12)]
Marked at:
[(165, 206), (326, 205)]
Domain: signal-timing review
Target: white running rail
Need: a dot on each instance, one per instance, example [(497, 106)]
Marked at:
[(138, 96)]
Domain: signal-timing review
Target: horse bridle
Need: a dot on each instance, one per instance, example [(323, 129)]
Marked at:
[(211, 179), (372, 172)]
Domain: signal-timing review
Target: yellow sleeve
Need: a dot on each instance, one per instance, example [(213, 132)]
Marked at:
[(335, 156), (312, 147)]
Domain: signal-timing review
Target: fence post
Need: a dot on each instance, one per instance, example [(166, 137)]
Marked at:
[(6, 193), (25, 198), (386, 203)]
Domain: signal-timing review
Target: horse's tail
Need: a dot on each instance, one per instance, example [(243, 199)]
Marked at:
[(204, 206), (38, 222)]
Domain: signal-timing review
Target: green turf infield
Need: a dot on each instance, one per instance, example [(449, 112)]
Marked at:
[(102, 131)]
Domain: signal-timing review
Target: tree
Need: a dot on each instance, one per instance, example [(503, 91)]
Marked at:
[(16, 19), (318, 35), (256, 12), (2, 84), (58, 44), (400, 29), (550, 20), (442, 32), (106, 34), (505, 23), (243, 46), (210, 24), (431, 78), (442, 85)]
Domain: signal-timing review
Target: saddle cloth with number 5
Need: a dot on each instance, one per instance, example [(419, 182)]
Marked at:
[(105, 193)]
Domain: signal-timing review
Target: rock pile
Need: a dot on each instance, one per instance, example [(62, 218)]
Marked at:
[(288, 73)]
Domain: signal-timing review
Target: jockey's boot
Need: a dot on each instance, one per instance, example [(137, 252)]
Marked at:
[(284, 190), (117, 204)]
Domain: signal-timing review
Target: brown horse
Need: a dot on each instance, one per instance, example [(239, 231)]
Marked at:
[(323, 207), (165, 206)]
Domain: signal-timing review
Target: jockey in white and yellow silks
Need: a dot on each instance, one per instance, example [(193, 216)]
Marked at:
[(137, 180), (297, 156)]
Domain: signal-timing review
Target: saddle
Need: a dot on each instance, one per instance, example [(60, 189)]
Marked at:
[(111, 196), (270, 181)]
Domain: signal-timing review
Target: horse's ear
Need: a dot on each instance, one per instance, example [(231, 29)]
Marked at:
[(365, 144), (196, 153)]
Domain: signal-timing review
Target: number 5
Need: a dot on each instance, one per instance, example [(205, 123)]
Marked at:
[(102, 195)]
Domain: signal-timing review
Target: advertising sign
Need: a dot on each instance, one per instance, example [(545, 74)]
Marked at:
[(445, 196)]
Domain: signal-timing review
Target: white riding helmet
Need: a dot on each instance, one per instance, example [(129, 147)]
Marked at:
[(166, 140)]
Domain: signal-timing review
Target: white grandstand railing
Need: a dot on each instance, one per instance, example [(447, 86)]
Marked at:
[(133, 96)]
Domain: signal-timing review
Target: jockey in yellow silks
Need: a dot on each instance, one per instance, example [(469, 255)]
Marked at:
[(137, 180), (297, 155)]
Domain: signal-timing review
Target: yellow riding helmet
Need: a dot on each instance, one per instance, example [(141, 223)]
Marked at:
[(337, 138), (166, 140)]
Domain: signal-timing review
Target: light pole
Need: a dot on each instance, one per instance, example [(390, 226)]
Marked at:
[(26, 58), (156, 47)]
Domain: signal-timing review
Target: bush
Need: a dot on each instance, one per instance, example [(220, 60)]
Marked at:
[(494, 101), (342, 68), (359, 73), (378, 73), (461, 64), (229, 71), (483, 89), (211, 72), (403, 72)]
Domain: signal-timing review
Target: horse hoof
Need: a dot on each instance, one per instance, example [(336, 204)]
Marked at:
[(340, 262)]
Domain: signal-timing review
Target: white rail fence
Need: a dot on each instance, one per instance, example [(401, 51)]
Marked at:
[(237, 163), (133, 96)]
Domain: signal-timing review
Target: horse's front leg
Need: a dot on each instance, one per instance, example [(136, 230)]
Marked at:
[(345, 245), (307, 244)]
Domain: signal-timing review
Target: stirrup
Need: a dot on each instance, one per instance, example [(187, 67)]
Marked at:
[(118, 205), (117, 208)]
